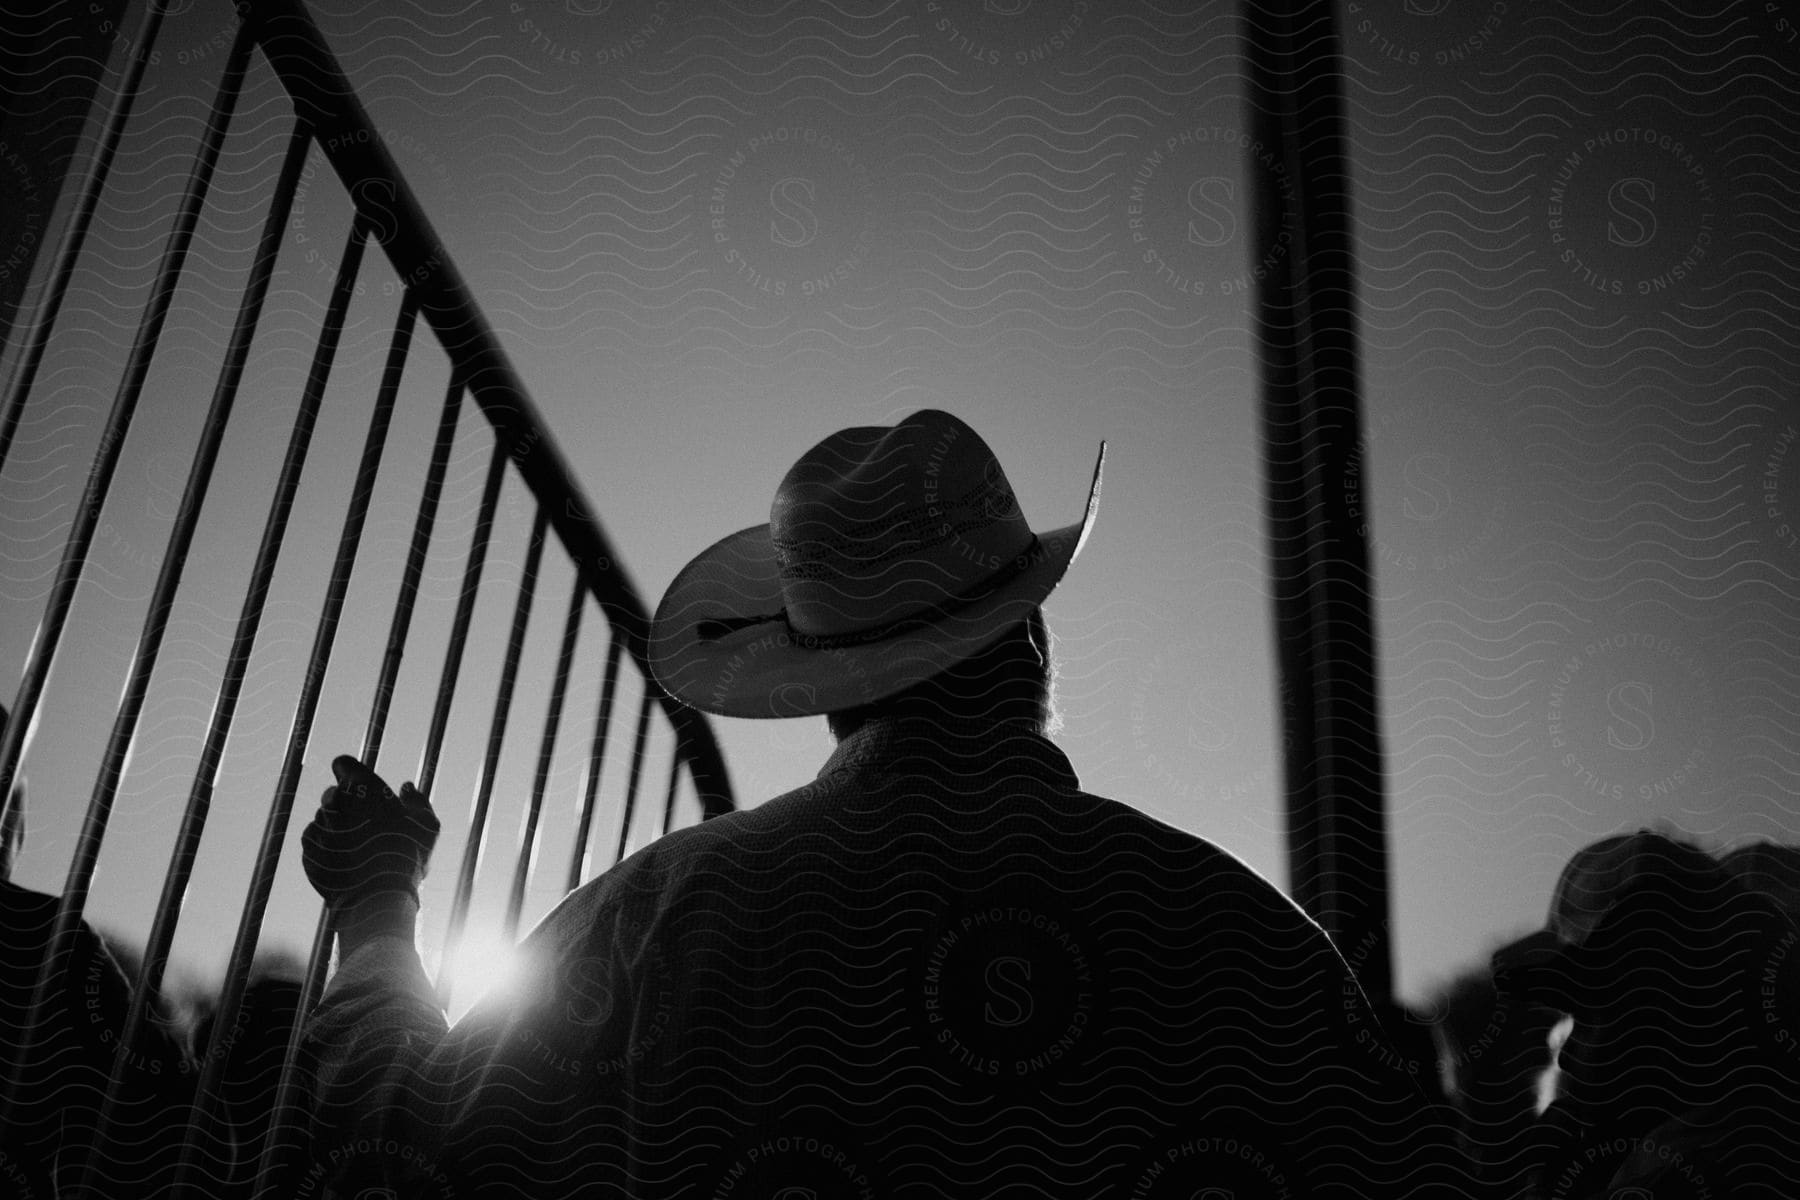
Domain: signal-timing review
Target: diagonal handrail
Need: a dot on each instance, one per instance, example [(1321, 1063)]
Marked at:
[(325, 98)]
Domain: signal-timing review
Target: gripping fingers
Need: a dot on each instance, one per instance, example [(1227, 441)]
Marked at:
[(414, 804), (357, 781)]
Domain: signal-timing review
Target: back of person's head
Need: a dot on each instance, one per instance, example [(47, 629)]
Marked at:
[(1649, 920), (1011, 682), (1770, 869), (1598, 873)]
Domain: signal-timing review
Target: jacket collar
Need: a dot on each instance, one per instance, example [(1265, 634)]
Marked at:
[(885, 744)]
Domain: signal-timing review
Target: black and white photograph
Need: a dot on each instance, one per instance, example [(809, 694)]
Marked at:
[(943, 599)]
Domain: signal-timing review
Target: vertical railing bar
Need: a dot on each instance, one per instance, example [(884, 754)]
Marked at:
[(62, 592), (637, 765), (459, 626), (674, 783), (193, 819), (274, 833), (596, 758), (50, 306), (559, 690), (484, 787), (705, 760), (215, 1056)]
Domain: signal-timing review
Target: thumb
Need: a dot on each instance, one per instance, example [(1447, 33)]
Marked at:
[(347, 767)]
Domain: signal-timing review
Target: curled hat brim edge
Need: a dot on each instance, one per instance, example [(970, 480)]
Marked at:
[(761, 671)]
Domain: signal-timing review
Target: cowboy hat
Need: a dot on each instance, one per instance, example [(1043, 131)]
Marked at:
[(890, 554)]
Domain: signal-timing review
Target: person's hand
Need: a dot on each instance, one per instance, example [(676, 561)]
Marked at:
[(366, 843)]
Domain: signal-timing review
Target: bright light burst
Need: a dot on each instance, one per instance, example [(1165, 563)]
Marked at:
[(484, 965)]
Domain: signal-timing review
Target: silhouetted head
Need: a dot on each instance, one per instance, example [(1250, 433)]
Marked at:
[(1597, 874), (1663, 976)]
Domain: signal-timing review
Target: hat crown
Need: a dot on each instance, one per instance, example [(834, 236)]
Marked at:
[(876, 524)]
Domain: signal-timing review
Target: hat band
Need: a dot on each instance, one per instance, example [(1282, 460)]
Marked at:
[(711, 629)]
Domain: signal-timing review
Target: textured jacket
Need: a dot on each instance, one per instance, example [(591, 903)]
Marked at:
[(940, 969)]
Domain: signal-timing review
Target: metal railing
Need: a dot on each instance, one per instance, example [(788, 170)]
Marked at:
[(327, 116)]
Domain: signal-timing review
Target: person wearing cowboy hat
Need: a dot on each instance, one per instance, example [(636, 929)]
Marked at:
[(939, 969)]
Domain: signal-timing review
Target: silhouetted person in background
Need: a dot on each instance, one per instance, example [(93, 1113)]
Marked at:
[(1680, 1075), (939, 969), (57, 1104)]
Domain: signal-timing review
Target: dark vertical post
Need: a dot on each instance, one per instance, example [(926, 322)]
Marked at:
[(1306, 332)]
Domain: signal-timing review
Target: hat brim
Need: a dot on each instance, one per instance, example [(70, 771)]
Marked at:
[(761, 671)]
